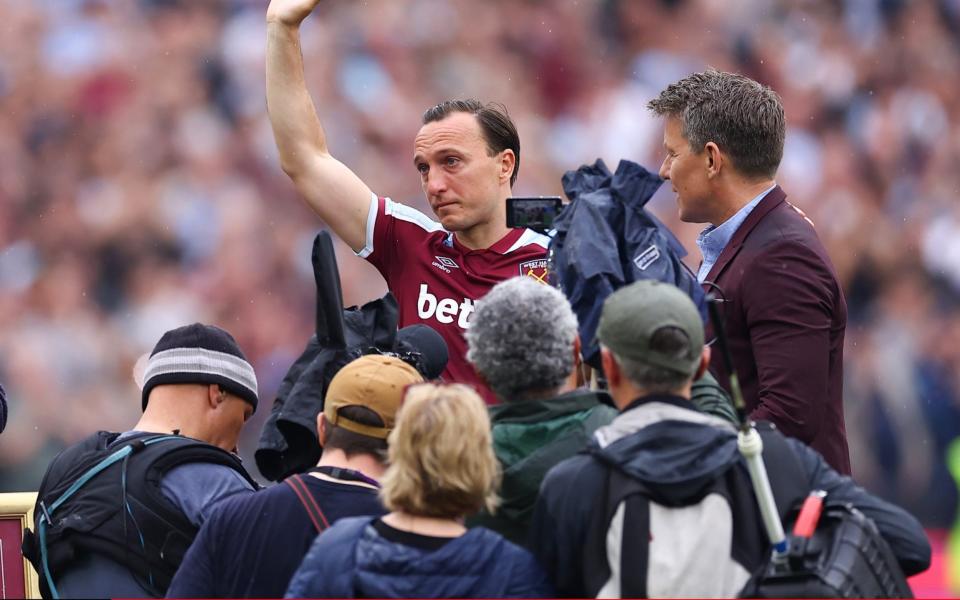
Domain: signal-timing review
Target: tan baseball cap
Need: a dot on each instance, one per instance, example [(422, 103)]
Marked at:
[(375, 382)]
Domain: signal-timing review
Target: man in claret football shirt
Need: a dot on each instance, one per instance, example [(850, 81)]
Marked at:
[(467, 155)]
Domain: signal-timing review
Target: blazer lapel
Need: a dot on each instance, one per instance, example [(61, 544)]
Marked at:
[(769, 202)]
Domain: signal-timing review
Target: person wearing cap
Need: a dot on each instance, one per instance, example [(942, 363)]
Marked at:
[(441, 469), (693, 528), (119, 528), (251, 546), (523, 341)]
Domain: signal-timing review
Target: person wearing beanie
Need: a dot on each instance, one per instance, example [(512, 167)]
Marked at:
[(198, 382), (117, 511), (252, 545)]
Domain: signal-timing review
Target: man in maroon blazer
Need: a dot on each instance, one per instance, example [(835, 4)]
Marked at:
[(782, 305)]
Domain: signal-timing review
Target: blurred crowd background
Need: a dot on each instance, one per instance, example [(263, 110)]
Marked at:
[(140, 188)]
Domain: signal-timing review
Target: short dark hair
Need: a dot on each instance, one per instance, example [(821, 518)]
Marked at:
[(498, 129), (669, 341), (353, 443), (741, 116)]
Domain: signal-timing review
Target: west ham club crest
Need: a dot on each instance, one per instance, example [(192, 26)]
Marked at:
[(536, 269)]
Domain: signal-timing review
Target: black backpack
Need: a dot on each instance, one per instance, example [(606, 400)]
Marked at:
[(105, 498), (846, 557)]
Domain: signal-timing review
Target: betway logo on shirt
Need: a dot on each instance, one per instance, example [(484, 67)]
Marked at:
[(444, 310)]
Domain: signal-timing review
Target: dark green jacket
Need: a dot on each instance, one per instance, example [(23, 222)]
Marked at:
[(529, 438), (709, 397)]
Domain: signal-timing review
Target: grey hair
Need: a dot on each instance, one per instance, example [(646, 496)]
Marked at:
[(744, 118), (521, 338), (652, 379)]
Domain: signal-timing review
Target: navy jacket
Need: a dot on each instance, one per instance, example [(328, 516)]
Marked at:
[(351, 559), (606, 238), (675, 450), (251, 546)]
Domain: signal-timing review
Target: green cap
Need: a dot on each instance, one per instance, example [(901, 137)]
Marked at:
[(633, 314)]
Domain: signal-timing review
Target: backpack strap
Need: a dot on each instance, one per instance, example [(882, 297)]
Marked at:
[(634, 547), (309, 503), (634, 537)]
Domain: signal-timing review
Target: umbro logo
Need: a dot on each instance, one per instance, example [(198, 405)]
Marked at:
[(445, 263)]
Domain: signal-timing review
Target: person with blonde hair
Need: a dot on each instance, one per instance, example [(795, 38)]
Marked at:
[(441, 469)]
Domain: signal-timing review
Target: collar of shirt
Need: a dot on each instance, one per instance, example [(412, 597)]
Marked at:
[(501, 246), (714, 239)]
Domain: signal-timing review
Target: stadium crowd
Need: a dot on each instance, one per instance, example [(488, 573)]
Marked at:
[(140, 188)]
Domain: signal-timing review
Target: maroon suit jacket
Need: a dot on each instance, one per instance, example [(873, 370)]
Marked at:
[(785, 317)]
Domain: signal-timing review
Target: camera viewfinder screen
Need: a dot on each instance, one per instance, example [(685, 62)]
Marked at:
[(536, 213)]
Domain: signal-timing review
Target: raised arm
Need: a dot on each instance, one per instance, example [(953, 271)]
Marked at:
[(329, 187)]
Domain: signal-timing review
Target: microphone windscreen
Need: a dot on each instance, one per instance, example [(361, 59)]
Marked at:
[(431, 346)]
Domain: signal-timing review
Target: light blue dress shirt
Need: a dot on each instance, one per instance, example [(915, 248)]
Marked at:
[(714, 239)]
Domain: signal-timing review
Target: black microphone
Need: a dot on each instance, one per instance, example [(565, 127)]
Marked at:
[(423, 340), (329, 313)]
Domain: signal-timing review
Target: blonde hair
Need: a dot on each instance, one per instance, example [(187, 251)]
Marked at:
[(441, 454)]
